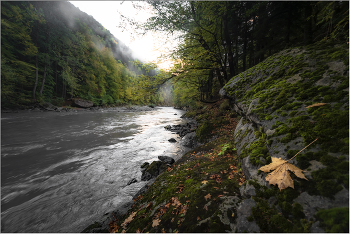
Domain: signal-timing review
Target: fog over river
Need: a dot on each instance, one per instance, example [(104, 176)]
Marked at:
[(62, 171)]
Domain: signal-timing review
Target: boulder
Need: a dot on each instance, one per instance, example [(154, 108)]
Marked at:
[(273, 99), (166, 159), (153, 170), (189, 140), (82, 103)]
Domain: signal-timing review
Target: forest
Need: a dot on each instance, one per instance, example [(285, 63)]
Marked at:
[(51, 51)]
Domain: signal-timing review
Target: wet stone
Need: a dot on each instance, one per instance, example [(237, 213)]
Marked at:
[(166, 159), (145, 165), (134, 180), (172, 140)]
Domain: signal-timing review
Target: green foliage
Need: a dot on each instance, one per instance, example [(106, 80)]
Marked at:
[(334, 219)]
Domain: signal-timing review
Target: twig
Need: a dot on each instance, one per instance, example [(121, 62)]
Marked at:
[(303, 149)]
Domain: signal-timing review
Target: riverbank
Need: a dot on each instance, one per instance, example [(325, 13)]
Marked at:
[(51, 108), (284, 104), (194, 189)]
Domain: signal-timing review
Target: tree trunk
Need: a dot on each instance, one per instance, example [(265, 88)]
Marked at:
[(36, 75), (221, 81), (245, 46), (56, 79), (44, 77), (308, 24), (229, 47)]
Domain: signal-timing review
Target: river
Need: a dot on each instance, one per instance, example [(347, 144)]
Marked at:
[(62, 171)]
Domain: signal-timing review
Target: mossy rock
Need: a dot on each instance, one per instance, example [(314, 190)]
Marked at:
[(273, 99)]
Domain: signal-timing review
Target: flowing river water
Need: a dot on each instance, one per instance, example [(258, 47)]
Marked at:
[(62, 171)]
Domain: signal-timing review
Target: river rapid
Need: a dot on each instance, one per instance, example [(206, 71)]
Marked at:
[(62, 171)]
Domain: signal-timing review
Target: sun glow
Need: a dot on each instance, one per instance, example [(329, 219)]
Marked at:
[(150, 47)]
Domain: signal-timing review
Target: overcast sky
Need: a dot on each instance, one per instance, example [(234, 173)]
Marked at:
[(147, 47)]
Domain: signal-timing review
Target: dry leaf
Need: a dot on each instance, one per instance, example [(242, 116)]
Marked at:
[(205, 207), (220, 195), (198, 218), (316, 104), (128, 220), (155, 222), (233, 215), (149, 205), (163, 231), (280, 175), (208, 196), (204, 182), (138, 230)]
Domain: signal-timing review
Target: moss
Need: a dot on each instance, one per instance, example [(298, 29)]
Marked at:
[(269, 219), (334, 219), (203, 132), (297, 211)]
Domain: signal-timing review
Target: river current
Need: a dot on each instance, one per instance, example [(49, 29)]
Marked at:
[(62, 171)]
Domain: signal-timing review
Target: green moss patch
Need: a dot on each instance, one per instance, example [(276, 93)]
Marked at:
[(335, 219)]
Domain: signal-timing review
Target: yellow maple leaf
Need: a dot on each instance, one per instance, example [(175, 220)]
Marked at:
[(280, 171), (204, 182)]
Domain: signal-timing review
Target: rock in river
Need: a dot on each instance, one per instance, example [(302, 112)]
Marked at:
[(166, 159), (134, 180), (172, 140), (153, 170)]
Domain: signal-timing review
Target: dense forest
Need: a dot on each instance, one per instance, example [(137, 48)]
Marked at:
[(221, 39), (51, 51)]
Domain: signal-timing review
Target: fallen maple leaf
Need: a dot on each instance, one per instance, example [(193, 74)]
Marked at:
[(198, 218), (205, 207), (220, 195), (316, 104), (208, 196), (138, 230), (204, 182), (280, 171), (128, 220), (155, 222)]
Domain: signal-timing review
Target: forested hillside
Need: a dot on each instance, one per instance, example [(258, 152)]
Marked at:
[(221, 39), (51, 51)]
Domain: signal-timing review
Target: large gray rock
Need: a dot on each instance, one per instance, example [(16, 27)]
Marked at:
[(312, 204), (188, 140), (244, 210)]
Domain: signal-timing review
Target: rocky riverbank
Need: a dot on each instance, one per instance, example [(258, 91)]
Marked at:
[(274, 109)]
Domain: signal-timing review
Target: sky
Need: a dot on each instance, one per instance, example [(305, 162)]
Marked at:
[(148, 47)]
